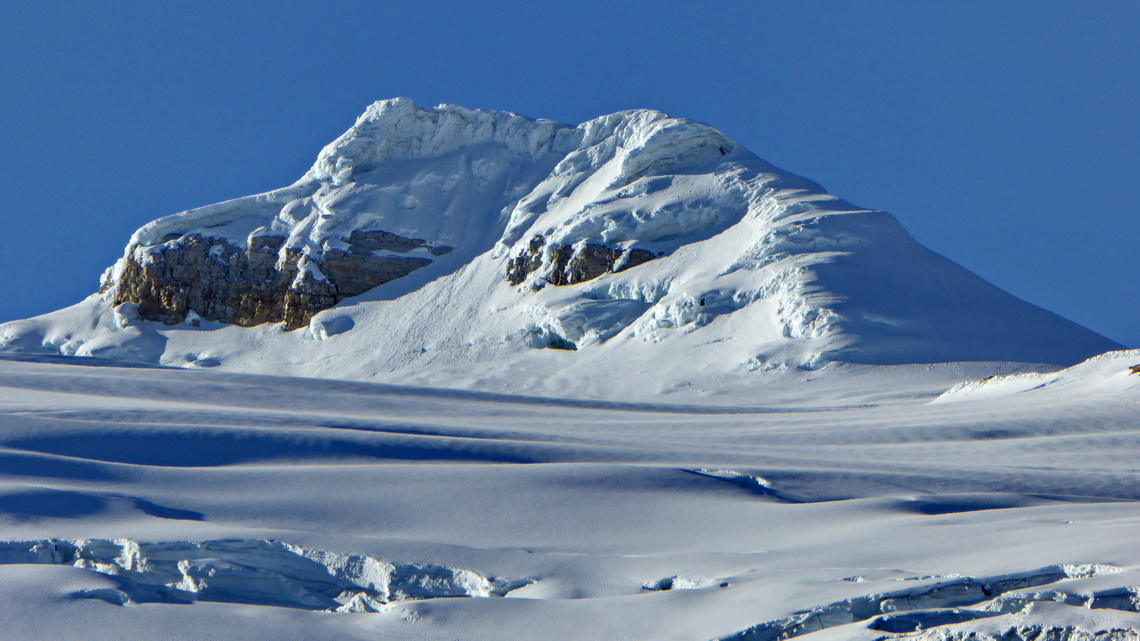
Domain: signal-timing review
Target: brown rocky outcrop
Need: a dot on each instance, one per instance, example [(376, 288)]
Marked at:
[(262, 284), (572, 264)]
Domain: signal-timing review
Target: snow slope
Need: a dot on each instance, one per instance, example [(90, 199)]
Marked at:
[(755, 270), (157, 503), (1108, 375)]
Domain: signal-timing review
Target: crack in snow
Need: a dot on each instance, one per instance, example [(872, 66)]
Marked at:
[(957, 601)]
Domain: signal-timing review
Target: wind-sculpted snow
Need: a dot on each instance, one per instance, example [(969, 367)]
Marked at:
[(756, 484), (150, 502), (435, 242), (253, 572)]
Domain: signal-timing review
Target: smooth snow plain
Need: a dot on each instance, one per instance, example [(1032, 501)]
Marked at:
[(156, 503)]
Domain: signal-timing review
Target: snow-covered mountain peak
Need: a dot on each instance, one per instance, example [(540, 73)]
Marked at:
[(426, 242), (649, 136), (399, 130)]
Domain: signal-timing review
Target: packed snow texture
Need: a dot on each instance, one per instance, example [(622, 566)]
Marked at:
[(757, 270)]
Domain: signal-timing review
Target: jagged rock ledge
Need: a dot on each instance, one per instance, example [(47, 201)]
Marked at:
[(265, 283), (563, 264)]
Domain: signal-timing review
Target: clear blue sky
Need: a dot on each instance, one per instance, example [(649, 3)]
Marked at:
[(1005, 135)]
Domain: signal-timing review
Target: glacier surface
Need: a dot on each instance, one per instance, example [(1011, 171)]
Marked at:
[(151, 502)]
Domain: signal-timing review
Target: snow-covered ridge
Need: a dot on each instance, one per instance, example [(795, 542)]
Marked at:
[(397, 129), (1114, 373)]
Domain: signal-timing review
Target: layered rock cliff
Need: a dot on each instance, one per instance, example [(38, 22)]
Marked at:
[(262, 283), (569, 264)]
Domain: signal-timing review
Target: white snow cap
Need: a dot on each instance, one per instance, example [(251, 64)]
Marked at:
[(397, 129)]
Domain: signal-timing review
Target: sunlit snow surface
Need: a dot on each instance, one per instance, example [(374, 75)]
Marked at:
[(149, 503), (793, 422)]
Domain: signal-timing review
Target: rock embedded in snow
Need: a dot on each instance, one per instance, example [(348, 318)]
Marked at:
[(571, 264), (263, 283)]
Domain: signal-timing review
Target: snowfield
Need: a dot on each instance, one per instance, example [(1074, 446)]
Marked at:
[(138, 502), (619, 381)]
